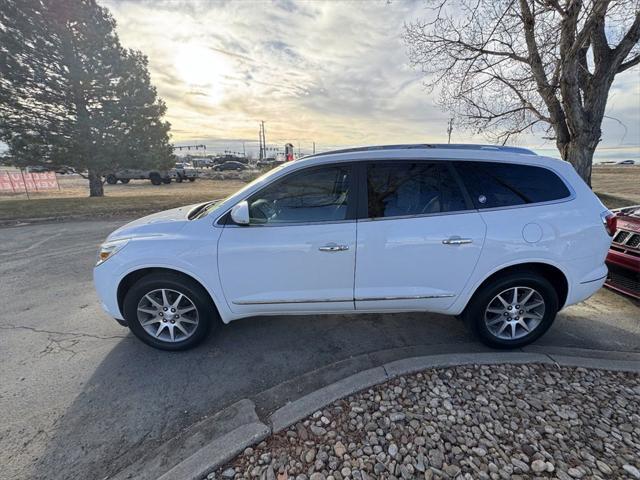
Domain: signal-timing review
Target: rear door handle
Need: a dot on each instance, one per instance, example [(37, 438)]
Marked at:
[(457, 241), (333, 247)]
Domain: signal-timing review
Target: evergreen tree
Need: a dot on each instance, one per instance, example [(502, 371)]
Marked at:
[(70, 94)]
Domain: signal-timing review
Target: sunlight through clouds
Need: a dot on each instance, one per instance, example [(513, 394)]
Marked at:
[(331, 72)]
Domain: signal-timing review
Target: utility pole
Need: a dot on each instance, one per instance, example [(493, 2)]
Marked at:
[(264, 138), (450, 129)]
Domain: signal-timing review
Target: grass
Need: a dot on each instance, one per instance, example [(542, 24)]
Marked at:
[(121, 201)]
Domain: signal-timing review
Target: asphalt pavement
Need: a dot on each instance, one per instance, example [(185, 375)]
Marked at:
[(80, 397)]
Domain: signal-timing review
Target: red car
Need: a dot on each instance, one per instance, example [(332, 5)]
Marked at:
[(623, 259)]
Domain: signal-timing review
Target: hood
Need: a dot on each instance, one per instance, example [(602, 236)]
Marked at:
[(161, 223)]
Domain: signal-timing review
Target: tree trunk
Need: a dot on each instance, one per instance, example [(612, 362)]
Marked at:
[(96, 188), (579, 153)]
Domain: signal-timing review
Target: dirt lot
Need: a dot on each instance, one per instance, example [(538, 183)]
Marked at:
[(617, 186)]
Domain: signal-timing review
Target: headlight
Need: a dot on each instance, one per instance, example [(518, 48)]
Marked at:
[(109, 249)]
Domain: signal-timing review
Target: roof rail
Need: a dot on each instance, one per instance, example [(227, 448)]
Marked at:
[(444, 146)]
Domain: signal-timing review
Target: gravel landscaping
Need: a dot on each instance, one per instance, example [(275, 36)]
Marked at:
[(484, 422)]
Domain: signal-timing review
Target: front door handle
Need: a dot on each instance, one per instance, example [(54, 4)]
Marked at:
[(333, 247), (457, 241)]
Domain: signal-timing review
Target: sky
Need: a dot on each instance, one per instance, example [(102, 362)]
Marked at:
[(335, 73)]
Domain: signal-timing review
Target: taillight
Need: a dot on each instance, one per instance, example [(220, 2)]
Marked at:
[(609, 222)]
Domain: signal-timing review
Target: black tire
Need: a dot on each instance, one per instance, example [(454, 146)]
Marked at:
[(192, 179), (208, 318), (112, 179), (474, 313), (125, 180), (178, 179), (155, 178)]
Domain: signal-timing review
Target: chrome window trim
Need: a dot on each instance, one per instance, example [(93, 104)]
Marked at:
[(288, 224), (419, 215)]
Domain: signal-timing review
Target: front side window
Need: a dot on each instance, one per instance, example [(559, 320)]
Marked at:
[(315, 195), (493, 184), (412, 188)]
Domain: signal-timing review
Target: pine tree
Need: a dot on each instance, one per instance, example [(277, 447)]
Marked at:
[(70, 94)]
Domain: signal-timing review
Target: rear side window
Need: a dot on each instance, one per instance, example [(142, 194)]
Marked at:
[(494, 185), (412, 188)]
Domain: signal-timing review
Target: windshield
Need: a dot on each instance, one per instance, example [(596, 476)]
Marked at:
[(210, 207)]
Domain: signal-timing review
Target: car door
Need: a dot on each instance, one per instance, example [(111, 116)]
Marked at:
[(298, 251), (419, 240)]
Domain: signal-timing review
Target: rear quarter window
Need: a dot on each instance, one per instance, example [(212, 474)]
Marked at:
[(493, 184)]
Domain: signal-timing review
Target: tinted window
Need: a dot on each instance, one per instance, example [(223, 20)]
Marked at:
[(502, 184), (319, 195), (412, 188)]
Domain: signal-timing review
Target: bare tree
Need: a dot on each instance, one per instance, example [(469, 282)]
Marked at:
[(509, 66)]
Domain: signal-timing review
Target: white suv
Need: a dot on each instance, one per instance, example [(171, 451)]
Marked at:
[(500, 236)]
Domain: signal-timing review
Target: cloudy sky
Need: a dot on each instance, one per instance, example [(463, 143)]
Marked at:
[(335, 73)]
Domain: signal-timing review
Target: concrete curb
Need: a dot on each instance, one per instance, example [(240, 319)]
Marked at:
[(224, 448), (218, 452), (303, 407)]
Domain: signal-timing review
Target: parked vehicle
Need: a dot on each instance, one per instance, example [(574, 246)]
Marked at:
[(626, 162), (179, 173), (231, 165), (499, 236), (623, 259), (183, 171)]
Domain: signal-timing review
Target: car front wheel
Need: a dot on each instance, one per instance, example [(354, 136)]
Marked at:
[(169, 312), (512, 311)]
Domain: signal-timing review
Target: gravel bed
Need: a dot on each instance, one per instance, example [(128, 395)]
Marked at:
[(471, 422)]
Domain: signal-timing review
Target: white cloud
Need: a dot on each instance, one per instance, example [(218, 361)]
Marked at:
[(331, 72)]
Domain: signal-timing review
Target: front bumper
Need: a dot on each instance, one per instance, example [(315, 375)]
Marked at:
[(106, 286), (624, 273)]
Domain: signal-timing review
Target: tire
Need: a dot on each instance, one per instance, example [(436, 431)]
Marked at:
[(486, 314), (112, 179), (155, 178), (125, 180), (166, 180), (193, 295), (192, 179), (178, 179)]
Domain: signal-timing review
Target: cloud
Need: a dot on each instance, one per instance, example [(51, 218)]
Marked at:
[(331, 72)]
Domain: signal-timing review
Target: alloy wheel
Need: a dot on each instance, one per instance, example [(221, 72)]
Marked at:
[(514, 313), (167, 315)]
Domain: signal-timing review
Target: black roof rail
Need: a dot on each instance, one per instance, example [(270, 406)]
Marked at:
[(444, 146)]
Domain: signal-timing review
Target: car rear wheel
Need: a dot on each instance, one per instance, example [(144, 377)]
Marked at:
[(111, 179), (512, 311), (169, 312)]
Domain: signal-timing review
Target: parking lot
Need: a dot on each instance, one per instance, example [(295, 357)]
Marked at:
[(82, 398)]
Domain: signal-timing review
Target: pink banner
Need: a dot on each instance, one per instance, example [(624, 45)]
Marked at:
[(15, 181)]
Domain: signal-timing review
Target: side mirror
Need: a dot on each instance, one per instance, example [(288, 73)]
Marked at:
[(240, 213)]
